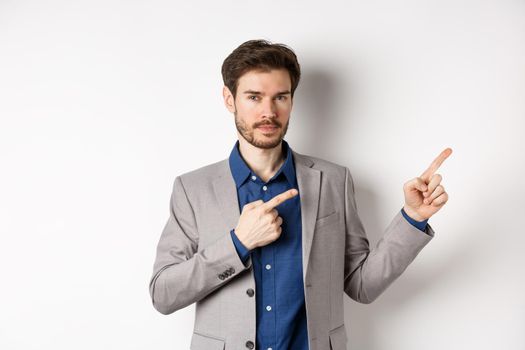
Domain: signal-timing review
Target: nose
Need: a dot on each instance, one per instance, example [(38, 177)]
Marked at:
[(269, 109)]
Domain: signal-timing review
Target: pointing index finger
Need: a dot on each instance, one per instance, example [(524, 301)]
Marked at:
[(275, 201), (436, 164)]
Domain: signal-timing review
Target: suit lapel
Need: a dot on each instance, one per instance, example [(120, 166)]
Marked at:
[(226, 195), (308, 183)]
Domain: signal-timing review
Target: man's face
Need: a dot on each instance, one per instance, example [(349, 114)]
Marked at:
[(262, 106)]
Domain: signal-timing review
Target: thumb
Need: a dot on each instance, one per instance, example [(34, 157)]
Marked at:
[(416, 183)]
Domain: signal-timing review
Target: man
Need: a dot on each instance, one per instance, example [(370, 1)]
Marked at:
[(266, 241)]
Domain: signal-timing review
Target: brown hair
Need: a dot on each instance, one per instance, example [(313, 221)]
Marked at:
[(259, 55)]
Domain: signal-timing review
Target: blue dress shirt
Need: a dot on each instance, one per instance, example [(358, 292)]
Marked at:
[(278, 266)]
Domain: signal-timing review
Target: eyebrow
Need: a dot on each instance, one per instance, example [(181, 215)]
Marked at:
[(253, 92)]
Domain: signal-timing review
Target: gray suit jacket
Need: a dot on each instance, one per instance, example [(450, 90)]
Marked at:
[(197, 262)]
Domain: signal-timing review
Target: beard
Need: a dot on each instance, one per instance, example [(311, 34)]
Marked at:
[(266, 142)]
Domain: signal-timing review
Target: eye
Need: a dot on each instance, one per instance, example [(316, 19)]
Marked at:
[(282, 98), (253, 99)]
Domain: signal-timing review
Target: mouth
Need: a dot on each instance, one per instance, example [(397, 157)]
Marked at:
[(268, 128)]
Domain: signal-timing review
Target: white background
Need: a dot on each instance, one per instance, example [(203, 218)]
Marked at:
[(103, 103)]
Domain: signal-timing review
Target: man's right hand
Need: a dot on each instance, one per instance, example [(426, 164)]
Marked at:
[(259, 223)]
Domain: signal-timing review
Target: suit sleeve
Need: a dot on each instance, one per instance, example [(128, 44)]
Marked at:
[(368, 272), (183, 274)]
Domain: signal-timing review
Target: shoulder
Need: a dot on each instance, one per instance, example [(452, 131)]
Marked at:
[(204, 175), (327, 167)]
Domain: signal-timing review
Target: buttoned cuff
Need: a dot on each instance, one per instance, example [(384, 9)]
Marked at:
[(243, 252)]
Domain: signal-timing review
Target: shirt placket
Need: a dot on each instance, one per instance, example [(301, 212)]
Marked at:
[(268, 275)]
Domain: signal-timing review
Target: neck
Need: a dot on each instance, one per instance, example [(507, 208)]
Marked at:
[(263, 162)]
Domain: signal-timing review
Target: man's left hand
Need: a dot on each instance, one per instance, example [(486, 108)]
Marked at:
[(424, 195)]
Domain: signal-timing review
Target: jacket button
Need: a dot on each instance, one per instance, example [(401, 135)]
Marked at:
[(222, 277), (250, 292), (249, 344)]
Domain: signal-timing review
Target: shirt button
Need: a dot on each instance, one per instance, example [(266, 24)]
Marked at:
[(269, 348), (268, 266), (269, 308), (265, 188), (254, 178)]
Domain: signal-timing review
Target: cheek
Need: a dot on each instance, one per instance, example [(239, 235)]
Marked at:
[(284, 114), (252, 111), (246, 115), (245, 107), (284, 108)]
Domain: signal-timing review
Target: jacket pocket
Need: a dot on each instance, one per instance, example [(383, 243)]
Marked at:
[(204, 342), (327, 220), (338, 338)]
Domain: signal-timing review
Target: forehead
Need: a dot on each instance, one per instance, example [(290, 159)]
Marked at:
[(275, 79)]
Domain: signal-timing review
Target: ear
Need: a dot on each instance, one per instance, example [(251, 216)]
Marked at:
[(229, 101)]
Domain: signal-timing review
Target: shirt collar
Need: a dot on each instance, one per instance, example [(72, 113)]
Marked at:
[(241, 171)]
